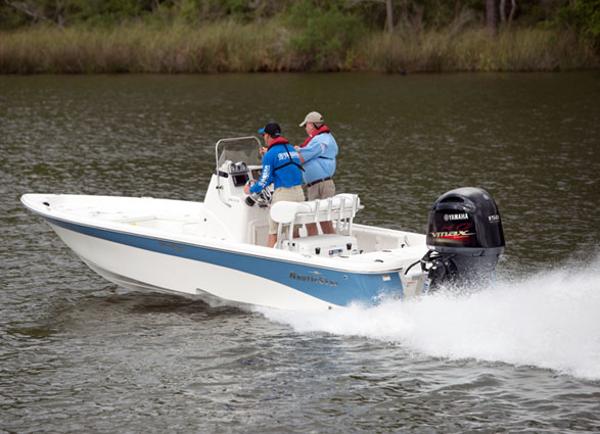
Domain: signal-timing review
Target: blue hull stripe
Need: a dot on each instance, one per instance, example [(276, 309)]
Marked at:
[(332, 286)]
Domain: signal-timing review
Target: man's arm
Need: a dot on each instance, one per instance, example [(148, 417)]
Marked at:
[(264, 180), (312, 150)]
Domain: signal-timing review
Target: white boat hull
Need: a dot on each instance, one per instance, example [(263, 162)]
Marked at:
[(257, 276), (138, 268)]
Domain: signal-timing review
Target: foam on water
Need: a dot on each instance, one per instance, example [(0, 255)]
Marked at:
[(549, 320)]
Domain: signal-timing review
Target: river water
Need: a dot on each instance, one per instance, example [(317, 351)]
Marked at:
[(78, 354)]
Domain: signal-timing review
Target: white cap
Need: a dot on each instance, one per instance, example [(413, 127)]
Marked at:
[(313, 117)]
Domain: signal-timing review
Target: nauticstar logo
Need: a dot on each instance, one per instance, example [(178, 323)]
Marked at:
[(452, 235), (319, 280), (453, 217)]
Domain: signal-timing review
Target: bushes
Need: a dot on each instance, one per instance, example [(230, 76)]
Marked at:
[(323, 38), (584, 17)]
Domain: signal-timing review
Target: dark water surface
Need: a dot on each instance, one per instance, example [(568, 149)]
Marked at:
[(78, 354)]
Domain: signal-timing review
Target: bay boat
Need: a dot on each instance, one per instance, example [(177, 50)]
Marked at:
[(216, 249)]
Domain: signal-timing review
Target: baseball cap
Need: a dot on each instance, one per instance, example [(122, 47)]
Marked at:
[(313, 117), (273, 129)]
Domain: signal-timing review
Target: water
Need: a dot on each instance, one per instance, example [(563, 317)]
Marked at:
[(506, 323), (78, 354)]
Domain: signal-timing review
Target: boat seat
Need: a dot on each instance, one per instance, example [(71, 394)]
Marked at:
[(340, 208)]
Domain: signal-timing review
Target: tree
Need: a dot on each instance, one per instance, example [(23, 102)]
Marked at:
[(38, 11), (491, 15), (511, 13), (389, 13)]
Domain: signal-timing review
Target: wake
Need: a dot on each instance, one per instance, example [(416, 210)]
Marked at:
[(549, 320)]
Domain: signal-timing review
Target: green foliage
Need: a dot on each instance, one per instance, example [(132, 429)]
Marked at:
[(66, 12), (107, 12), (19, 13), (325, 33), (584, 17), (10, 18), (438, 13), (197, 11), (579, 14)]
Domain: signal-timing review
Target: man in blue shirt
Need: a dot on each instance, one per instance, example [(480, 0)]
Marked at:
[(281, 167), (318, 153)]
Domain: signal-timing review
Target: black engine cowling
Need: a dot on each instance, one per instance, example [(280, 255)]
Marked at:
[(464, 237)]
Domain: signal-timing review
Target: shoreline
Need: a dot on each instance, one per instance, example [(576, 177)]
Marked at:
[(228, 47)]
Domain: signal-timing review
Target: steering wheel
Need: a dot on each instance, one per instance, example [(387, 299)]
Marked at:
[(263, 198)]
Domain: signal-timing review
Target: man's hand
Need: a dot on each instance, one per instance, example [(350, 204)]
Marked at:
[(298, 148), (247, 188)]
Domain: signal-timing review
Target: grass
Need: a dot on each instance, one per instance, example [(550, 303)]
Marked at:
[(477, 50), (268, 46), (223, 47)]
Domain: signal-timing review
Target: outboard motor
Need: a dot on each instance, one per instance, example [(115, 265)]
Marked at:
[(465, 239)]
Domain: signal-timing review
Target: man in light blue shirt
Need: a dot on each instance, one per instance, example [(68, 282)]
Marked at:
[(318, 153)]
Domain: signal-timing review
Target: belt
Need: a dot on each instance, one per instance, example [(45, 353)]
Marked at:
[(310, 184)]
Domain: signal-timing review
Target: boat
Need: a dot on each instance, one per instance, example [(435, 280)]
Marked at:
[(216, 249)]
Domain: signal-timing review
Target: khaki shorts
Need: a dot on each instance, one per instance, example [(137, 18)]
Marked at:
[(321, 190), (292, 194)]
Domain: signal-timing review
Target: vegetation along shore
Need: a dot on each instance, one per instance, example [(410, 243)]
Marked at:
[(183, 36)]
